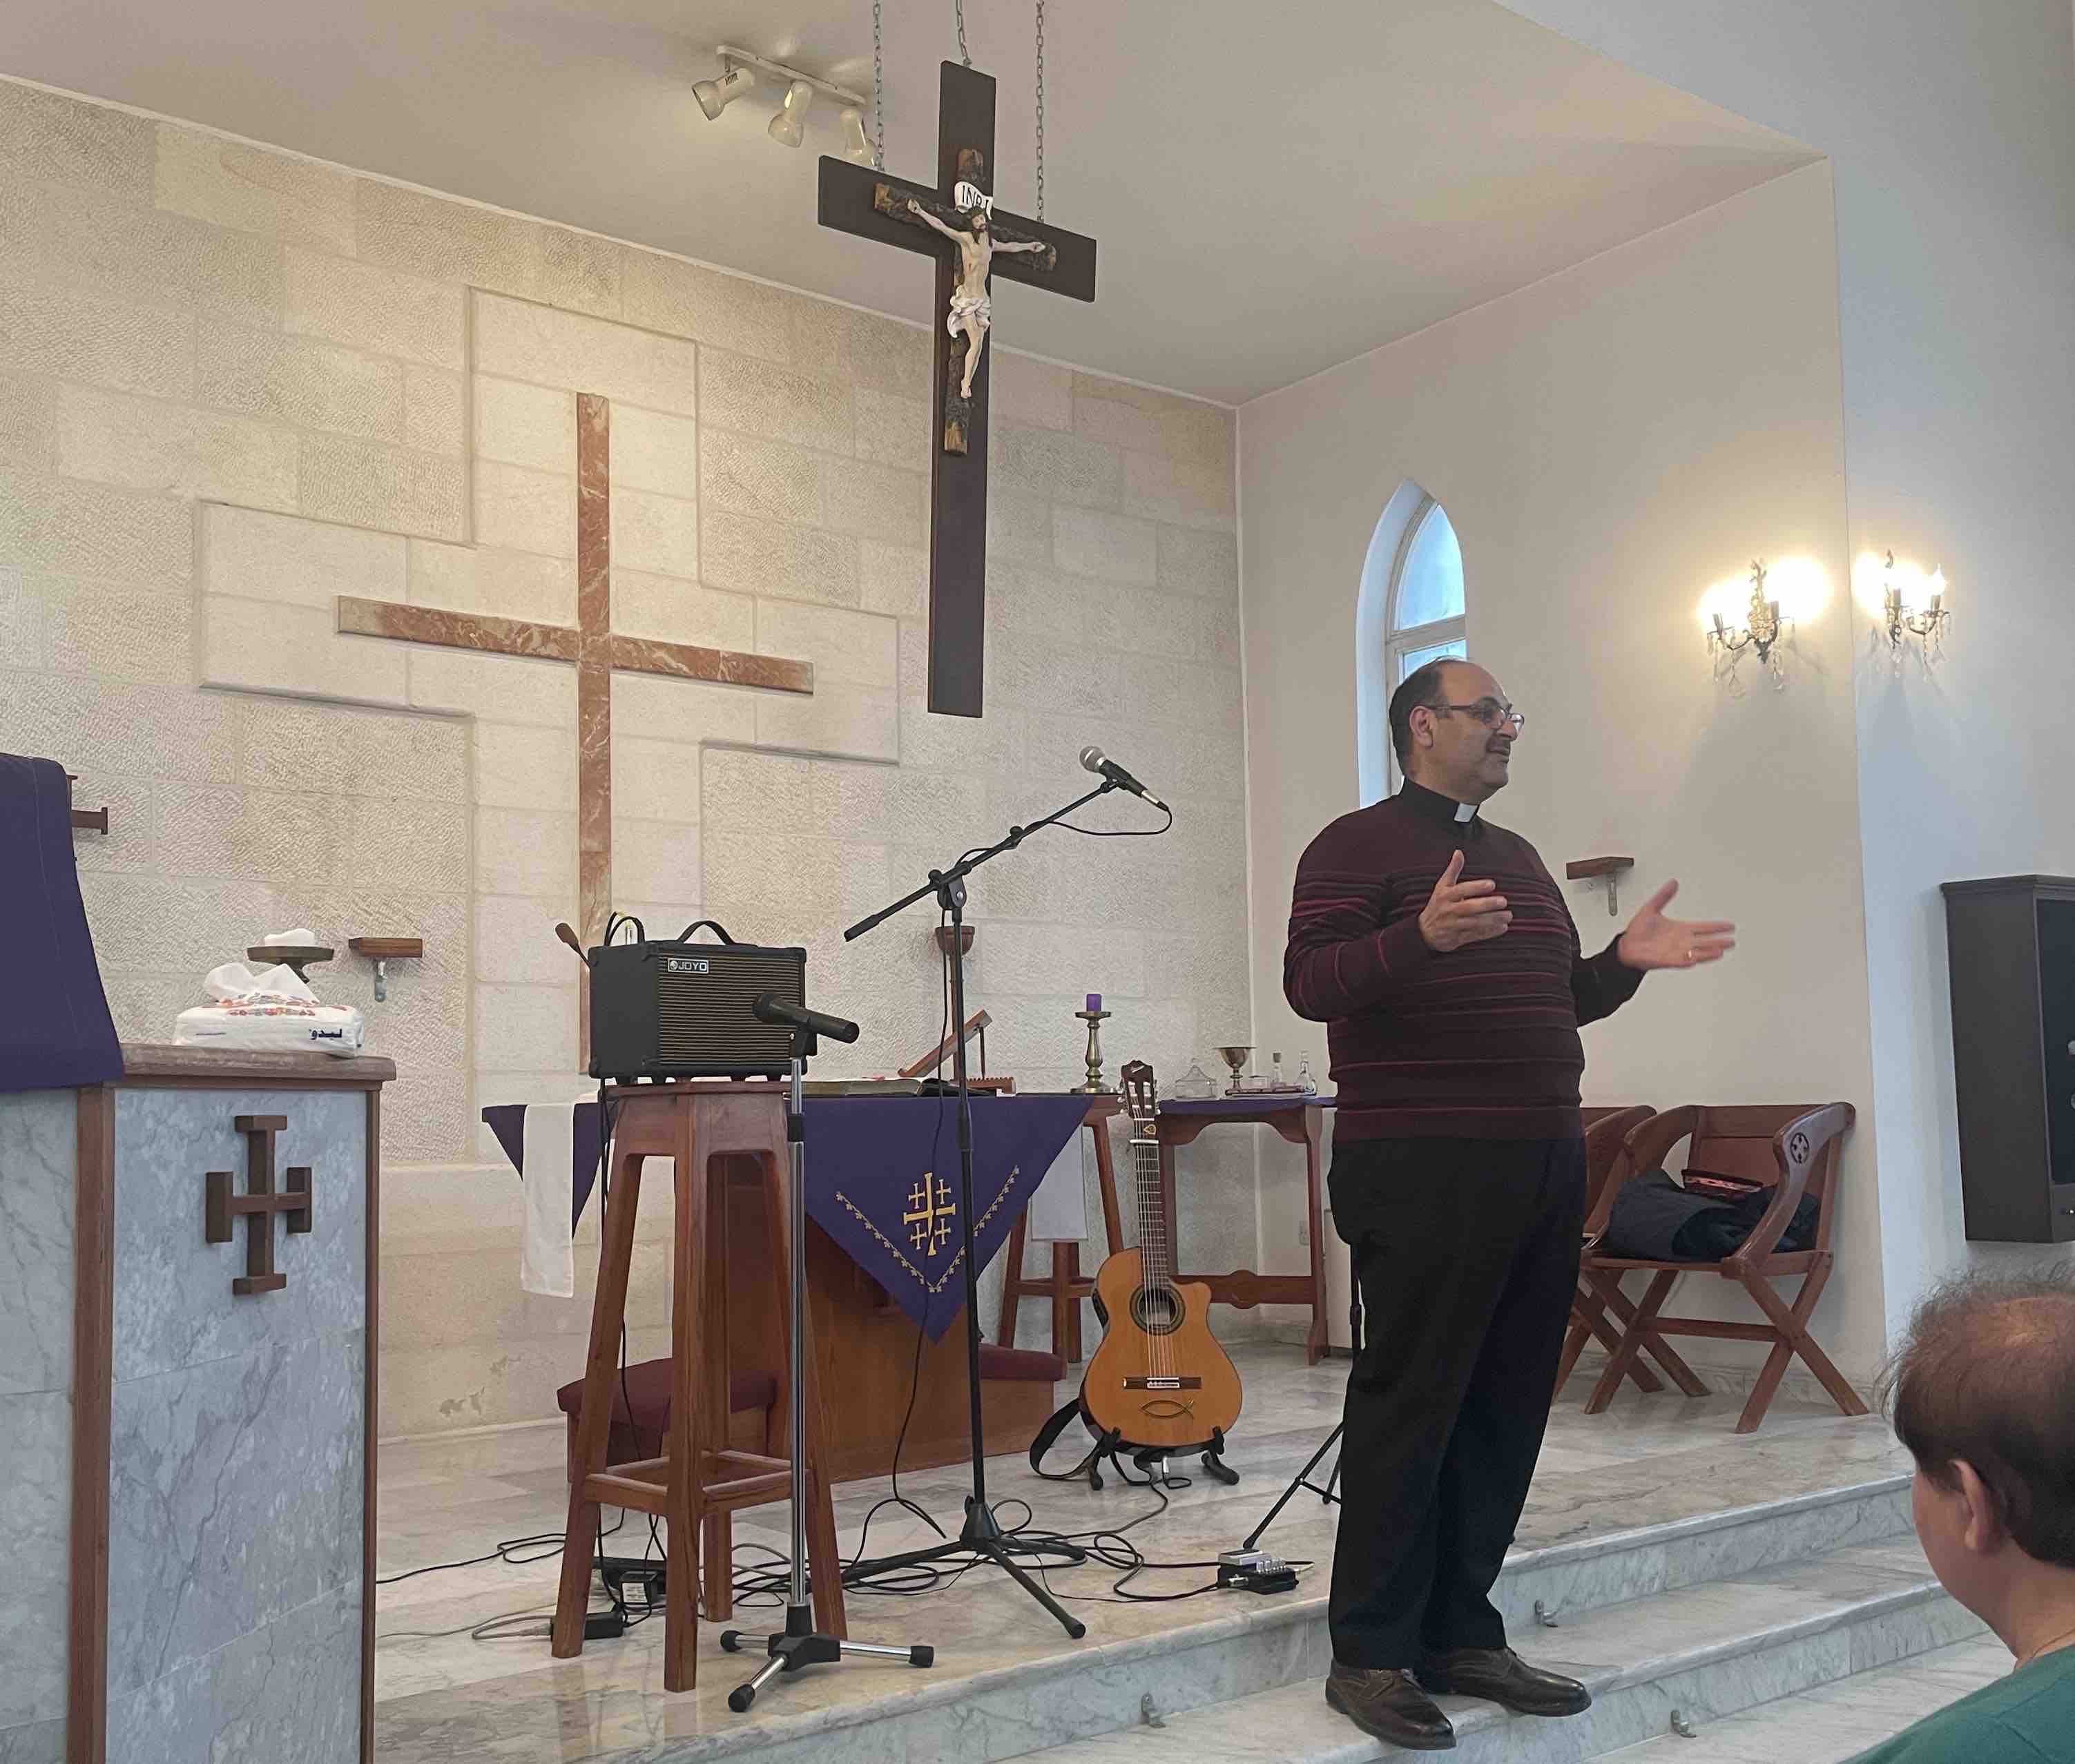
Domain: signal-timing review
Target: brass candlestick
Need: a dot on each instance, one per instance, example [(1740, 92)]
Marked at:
[(1095, 1086)]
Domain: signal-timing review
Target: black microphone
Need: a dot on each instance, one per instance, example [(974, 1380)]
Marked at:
[(563, 931), (770, 1008), (1095, 761)]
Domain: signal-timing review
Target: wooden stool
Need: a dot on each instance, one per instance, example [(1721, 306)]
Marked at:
[(1066, 1285), (699, 1478)]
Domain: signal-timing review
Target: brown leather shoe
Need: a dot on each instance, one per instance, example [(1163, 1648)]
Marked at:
[(1389, 1705), (1500, 1675)]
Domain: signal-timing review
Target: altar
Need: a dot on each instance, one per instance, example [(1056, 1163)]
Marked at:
[(885, 1284)]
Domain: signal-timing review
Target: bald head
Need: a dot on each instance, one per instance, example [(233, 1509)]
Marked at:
[(1982, 1379)]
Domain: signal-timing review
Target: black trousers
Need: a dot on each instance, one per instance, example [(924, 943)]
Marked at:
[(1466, 1252)]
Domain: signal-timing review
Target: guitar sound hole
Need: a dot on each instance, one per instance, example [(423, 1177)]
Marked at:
[(1157, 1312)]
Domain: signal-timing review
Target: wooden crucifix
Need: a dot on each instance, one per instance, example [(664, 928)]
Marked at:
[(957, 223)]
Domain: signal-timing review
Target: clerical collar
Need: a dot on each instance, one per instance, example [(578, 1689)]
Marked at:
[(1437, 807)]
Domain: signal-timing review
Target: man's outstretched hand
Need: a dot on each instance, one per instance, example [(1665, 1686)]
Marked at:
[(1652, 941), (1459, 912)]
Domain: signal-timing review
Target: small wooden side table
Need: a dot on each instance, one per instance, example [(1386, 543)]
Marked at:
[(1066, 1285), (1300, 1119)]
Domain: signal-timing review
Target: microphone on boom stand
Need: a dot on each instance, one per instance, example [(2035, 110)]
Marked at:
[(1094, 760)]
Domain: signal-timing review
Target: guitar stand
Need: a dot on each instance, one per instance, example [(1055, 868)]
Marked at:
[(1110, 1446)]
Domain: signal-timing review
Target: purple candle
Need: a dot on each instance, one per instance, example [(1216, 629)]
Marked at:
[(1095, 1001)]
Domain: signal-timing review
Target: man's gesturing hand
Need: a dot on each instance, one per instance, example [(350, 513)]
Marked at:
[(1459, 912), (1653, 941)]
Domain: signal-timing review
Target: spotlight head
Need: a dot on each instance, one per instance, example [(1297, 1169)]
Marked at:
[(715, 96), (788, 126), (857, 148)]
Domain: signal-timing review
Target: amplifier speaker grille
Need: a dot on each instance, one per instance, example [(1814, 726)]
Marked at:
[(704, 1020)]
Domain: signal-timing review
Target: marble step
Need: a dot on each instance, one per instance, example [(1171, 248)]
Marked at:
[(1241, 1648), (1610, 1568), (1837, 1721), (1707, 1651)]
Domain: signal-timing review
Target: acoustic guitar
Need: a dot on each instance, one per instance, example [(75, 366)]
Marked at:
[(1159, 1381)]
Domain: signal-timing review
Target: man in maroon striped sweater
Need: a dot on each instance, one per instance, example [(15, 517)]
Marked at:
[(1443, 958)]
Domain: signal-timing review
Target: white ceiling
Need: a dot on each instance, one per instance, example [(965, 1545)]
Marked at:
[(1267, 204)]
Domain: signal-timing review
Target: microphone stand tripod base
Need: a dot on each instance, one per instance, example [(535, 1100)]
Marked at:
[(799, 1644)]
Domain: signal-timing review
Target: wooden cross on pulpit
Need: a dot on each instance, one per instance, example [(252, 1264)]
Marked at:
[(222, 1206), (957, 223)]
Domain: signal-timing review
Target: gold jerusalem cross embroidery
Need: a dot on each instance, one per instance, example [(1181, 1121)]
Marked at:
[(932, 1215)]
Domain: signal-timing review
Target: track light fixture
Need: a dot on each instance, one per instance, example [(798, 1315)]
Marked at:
[(789, 127), (857, 145), (741, 72), (715, 96)]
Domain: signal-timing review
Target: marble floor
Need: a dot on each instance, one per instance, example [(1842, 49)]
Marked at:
[(442, 1693)]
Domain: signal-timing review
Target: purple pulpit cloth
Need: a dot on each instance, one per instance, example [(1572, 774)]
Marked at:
[(883, 1181), (54, 1029)]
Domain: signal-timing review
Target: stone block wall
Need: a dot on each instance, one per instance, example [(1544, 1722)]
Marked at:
[(235, 385)]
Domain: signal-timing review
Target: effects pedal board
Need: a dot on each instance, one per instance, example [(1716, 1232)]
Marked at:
[(1255, 1571)]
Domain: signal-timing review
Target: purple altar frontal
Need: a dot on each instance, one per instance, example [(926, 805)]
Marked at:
[(883, 1181)]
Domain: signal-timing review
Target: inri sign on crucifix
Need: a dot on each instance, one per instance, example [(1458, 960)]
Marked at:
[(972, 240)]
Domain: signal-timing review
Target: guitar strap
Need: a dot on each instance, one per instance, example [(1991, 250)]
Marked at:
[(1048, 1435)]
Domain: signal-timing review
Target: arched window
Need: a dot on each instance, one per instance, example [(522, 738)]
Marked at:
[(1426, 596), (1409, 610)]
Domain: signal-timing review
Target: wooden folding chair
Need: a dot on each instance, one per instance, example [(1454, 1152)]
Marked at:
[(1605, 1131), (1794, 1149)]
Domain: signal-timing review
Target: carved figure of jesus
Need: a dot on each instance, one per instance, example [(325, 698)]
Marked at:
[(972, 310)]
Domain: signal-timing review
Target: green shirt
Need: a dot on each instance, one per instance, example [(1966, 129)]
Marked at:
[(2027, 1718)]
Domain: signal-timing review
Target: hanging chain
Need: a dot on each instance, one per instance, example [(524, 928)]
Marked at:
[(959, 8), (1041, 109), (878, 87)]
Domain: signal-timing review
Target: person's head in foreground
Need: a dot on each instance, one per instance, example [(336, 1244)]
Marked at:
[(1982, 1392)]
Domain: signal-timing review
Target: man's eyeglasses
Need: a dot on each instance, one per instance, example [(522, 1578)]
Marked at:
[(1492, 712)]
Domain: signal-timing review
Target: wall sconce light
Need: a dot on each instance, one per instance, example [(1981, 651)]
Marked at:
[(1899, 619), (741, 71), (1762, 629)]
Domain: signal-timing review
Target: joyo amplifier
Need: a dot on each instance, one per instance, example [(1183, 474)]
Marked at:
[(673, 1008)]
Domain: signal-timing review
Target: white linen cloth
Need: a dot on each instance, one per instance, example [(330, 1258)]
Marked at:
[(1059, 1210), (548, 1256)]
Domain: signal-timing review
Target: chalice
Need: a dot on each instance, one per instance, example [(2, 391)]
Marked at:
[(1235, 1059)]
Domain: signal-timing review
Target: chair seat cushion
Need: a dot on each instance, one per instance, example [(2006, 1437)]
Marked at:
[(647, 1386), (1020, 1365)]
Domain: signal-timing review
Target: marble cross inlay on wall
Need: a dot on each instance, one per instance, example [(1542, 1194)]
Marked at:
[(594, 648), (258, 1205)]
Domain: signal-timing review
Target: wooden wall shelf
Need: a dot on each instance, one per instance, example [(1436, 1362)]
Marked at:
[(297, 956), (1609, 869), (382, 951)]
